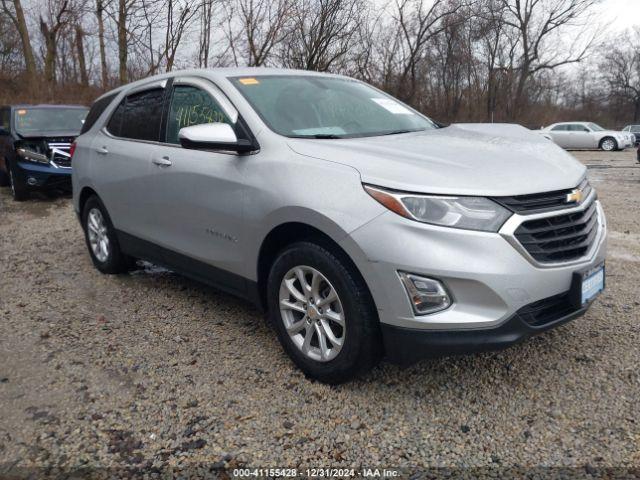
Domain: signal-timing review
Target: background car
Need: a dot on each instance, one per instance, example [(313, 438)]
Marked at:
[(587, 135), (35, 143), (635, 129)]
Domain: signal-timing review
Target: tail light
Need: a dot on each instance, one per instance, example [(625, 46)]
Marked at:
[(72, 149)]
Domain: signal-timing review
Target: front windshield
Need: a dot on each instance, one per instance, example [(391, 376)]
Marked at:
[(43, 120), (595, 127), (327, 107)]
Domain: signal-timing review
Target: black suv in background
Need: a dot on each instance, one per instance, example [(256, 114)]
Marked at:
[(35, 146)]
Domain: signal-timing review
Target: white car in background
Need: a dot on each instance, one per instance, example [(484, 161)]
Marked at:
[(587, 135), (635, 130)]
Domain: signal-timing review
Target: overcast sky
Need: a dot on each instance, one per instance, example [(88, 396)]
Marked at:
[(622, 13)]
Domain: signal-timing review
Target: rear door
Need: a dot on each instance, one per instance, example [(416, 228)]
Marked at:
[(122, 160), (581, 137), (560, 135), (198, 195)]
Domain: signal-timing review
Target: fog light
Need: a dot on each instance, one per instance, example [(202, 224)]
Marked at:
[(426, 294), (32, 181)]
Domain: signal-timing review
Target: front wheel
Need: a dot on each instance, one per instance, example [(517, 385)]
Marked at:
[(608, 144), (323, 313), (19, 189)]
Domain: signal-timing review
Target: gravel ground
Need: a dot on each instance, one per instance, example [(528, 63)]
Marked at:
[(152, 372)]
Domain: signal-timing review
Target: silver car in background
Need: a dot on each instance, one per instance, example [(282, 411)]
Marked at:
[(360, 226), (635, 130), (587, 135)]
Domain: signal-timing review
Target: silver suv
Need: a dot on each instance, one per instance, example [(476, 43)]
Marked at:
[(363, 228)]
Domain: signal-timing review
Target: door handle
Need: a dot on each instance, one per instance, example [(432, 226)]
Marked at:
[(102, 150), (162, 162)]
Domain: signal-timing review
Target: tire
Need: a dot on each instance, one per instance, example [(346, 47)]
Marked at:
[(608, 144), (101, 239), (361, 346), (19, 189), (4, 175)]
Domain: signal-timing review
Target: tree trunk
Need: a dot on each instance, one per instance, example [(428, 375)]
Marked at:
[(122, 40), (82, 65), (50, 52), (21, 24), (103, 51)]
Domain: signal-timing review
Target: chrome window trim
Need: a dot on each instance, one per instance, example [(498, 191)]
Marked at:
[(511, 225)]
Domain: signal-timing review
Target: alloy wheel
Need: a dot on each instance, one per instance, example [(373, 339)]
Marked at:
[(98, 238), (608, 145), (312, 313)]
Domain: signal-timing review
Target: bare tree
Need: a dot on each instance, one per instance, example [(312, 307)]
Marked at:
[(620, 70), (417, 23), (322, 33), (57, 18), (100, 12), (536, 28), (206, 22), (82, 62), (263, 27), (15, 12)]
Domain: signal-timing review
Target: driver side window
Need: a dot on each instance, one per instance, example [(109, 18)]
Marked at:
[(192, 106)]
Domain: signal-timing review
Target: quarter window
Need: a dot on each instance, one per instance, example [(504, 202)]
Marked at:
[(192, 106), (578, 128)]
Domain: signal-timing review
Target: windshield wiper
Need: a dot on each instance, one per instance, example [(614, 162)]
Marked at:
[(325, 135), (398, 132)]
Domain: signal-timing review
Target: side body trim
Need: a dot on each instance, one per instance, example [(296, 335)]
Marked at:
[(195, 269)]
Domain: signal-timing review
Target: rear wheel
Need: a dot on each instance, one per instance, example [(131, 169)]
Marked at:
[(608, 144), (323, 313), (102, 240)]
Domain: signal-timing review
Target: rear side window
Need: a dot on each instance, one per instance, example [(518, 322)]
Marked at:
[(115, 122), (560, 128), (138, 116), (96, 110), (578, 128)]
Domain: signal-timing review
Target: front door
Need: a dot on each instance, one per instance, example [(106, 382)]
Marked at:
[(198, 195)]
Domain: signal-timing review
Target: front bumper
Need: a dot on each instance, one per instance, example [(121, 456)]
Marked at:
[(488, 277), (36, 175), (405, 346)]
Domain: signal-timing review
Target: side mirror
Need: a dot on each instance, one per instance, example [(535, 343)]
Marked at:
[(213, 136)]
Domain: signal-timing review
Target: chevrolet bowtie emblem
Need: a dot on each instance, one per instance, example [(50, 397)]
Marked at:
[(575, 196)]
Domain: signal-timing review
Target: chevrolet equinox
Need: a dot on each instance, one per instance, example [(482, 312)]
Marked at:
[(363, 228)]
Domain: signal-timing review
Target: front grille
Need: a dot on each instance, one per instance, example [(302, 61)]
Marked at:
[(60, 153), (560, 238), (542, 202), (547, 310)]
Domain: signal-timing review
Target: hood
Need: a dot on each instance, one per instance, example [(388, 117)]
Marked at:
[(463, 159), (48, 134)]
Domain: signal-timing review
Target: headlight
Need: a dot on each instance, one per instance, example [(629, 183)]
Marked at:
[(30, 156), (33, 151), (471, 213)]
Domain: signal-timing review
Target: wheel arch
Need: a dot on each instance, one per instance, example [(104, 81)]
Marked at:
[(85, 194), (288, 233), (608, 137)]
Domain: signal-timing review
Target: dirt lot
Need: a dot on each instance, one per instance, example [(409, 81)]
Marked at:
[(150, 371)]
